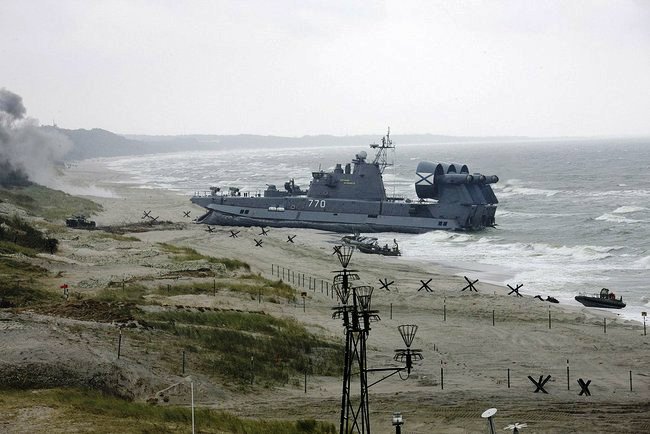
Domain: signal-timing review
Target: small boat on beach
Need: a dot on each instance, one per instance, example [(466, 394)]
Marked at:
[(357, 239), (605, 299), (376, 249), (370, 245)]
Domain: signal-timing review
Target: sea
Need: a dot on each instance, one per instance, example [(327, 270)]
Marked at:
[(573, 214)]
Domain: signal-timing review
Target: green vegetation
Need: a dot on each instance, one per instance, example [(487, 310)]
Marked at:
[(18, 236), (76, 410), (17, 285), (114, 236), (48, 203), (225, 341), (189, 254)]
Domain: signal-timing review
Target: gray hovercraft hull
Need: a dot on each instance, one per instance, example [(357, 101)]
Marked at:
[(342, 215)]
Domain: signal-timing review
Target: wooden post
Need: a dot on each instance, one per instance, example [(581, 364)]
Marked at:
[(549, 318), (183, 362), (442, 377), (444, 310), (508, 378), (605, 325), (391, 311), (492, 317), (119, 349), (630, 381), (214, 287), (305, 380), (259, 296), (568, 383)]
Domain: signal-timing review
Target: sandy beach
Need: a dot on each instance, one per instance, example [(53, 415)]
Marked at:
[(478, 348)]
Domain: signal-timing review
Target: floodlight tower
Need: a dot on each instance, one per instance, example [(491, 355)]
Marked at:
[(355, 310)]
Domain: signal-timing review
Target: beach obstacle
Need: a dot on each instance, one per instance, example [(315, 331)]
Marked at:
[(258, 243), (186, 214), (290, 238), (515, 290), (584, 386), (264, 232), (425, 285), (209, 229), (470, 285), (234, 234), (146, 214), (385, 284), (515, 427), (540, 383)]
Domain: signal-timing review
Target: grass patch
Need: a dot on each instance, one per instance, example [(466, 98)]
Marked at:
[(225, 342), (16, 231), (249, 284), (188, 254), (130, 294), (48, 203), (114, 236), (17, 292), (76, 410)]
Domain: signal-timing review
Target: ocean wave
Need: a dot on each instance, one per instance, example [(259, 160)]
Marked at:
[(616, 219), (513, 187), (642, 263), (632, 194), (626, 209)]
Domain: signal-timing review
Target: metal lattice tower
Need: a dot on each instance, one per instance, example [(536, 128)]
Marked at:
[(355, 310)]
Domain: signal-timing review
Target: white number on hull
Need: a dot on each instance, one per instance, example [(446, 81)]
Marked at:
[(316, 203)]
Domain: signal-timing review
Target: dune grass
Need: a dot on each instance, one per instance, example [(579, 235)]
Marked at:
[(76, 410), (50, 204), (244, 345), (189, 254)]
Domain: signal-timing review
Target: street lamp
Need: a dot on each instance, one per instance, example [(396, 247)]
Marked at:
[(398, 421)]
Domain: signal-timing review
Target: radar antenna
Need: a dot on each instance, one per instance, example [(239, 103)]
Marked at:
[(381, 158)]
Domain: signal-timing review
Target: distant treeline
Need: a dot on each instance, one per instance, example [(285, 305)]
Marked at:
[(101, 143)]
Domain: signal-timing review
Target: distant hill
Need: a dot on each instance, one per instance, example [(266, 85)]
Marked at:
[(101, 143)]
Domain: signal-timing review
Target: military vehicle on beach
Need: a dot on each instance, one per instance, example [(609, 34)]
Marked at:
[(79, 222), (352, 198)]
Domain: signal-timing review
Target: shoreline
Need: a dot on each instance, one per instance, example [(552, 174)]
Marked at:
[(95, 180)]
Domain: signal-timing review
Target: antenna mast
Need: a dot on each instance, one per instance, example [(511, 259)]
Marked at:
[(381, 158)]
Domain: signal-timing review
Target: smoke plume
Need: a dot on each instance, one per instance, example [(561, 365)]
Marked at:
[(27, 152)]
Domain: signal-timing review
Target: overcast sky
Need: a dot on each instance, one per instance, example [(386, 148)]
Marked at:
[(295, 67)]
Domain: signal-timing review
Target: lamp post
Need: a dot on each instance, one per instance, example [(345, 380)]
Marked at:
[(398, 421)]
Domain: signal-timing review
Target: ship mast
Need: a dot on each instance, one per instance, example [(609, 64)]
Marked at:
[(381, 158)]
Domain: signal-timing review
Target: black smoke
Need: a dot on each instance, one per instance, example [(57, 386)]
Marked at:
[(27, 152)]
